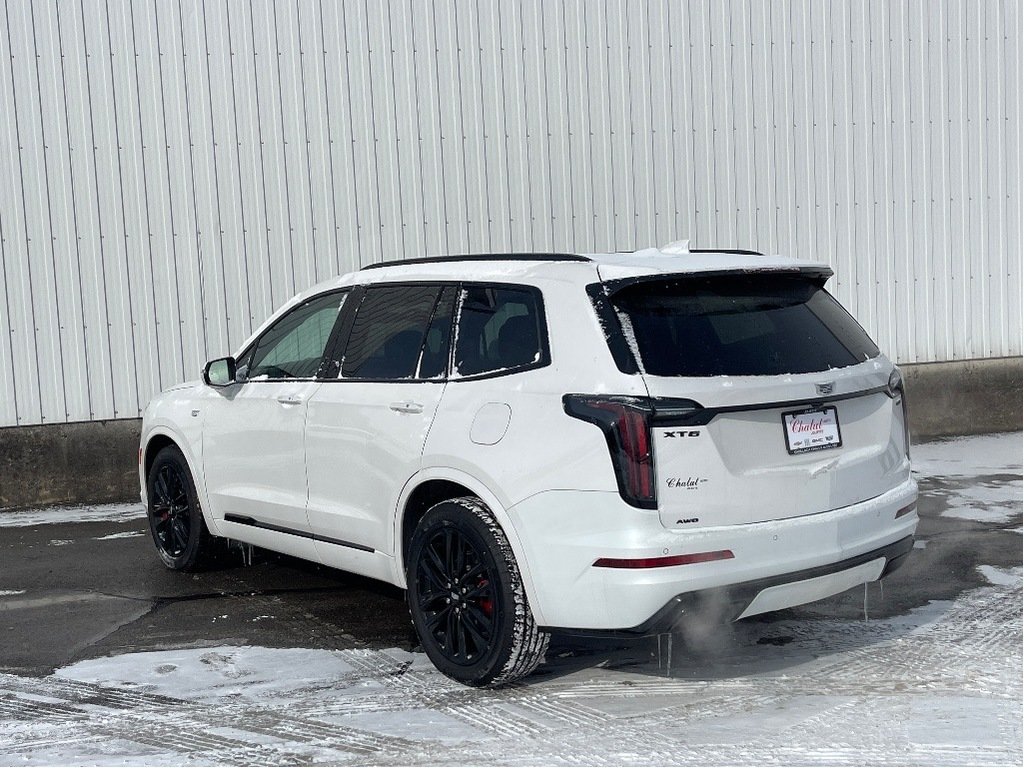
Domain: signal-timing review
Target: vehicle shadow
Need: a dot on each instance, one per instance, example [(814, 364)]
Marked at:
[(715, 650)]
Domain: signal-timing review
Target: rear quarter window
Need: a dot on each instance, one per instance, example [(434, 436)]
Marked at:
[(739, 325), (500, 330)]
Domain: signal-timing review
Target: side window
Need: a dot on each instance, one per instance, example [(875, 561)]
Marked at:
[(389, 331), (500, 329), (293, 346)]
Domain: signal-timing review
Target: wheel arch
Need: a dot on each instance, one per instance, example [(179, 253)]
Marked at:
[(156, 440), (156, 443), (431, 486)]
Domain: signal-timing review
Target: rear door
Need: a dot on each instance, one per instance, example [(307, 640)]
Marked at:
[(366, 428), (771, 402)]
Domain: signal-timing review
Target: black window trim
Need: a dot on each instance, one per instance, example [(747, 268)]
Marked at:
[(611, 325), (545, 347), (330, 338)]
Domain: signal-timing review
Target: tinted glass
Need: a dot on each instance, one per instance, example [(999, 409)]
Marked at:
[(740, 325), (388, 333), (499, 329), (293, 346)]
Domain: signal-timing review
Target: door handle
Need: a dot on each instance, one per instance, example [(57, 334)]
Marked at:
[(289, 399), (407, 407)]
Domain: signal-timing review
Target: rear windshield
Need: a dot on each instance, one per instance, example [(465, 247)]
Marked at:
[(739, 325)]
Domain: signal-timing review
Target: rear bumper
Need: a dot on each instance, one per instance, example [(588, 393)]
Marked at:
[(797, 560), (737, 600)]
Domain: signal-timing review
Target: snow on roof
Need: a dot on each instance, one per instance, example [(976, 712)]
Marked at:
[(674, 258), (654, 261)]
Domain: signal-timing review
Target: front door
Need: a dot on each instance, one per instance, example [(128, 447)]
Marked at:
[(253, 452)]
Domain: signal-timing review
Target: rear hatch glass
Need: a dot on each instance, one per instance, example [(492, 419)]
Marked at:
[(739, 325)]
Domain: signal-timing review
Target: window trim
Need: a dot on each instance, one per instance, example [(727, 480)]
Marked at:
[(339, 321), (545, 345)]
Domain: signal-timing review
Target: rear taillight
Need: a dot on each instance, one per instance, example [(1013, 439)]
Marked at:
[(626, 423), (897, 391)]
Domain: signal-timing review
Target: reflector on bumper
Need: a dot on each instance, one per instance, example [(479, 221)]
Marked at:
[(663, 562)]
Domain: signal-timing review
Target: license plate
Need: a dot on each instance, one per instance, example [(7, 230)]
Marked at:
[(815, 430)]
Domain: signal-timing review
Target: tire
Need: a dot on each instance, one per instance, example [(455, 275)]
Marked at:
[(466, 597), (182, 539)]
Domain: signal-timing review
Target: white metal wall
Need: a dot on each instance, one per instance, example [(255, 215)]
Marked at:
[(172, 170)]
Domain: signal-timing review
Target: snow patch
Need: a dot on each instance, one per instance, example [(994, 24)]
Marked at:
[(90, 513), (265, 675), (10, 592), (970, 456), (986, 502), (1006, 577), (413, 725), (125, 535)]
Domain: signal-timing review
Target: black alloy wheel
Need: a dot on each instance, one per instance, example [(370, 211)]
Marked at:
[(467, 599), (172, 514), (456, 595), (176, 517)]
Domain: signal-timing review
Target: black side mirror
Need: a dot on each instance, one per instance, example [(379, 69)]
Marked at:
[(220, 372)]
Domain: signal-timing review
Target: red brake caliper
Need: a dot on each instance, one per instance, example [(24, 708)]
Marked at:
[(485, 603)]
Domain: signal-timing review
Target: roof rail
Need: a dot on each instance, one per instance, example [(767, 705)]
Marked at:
[(480, 257), (737, 251)]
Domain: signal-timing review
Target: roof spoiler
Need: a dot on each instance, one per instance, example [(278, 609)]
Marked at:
[(816, 273)]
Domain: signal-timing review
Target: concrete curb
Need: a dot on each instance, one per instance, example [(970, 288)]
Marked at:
[(82, 462), (96, 462), (966, 397)]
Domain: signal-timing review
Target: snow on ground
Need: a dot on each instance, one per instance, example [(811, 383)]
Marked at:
[(90, 513), (1005, 576), (122, 535), (978, 477), (939, 686), (970, 456)]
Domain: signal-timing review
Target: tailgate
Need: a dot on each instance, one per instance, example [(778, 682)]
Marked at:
[(775, 403), (739, 467)]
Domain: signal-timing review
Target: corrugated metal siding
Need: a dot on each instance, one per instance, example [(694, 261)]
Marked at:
[(171, 171)]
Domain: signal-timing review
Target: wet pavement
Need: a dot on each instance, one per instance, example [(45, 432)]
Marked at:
[(284, 662)]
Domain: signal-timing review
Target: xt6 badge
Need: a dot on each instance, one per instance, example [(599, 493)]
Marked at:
[(683, 433)]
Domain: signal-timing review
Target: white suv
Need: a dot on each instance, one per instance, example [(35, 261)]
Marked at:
[(540, 442)]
